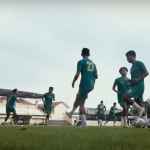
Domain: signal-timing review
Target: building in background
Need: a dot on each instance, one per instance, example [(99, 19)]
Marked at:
[(34, 108)]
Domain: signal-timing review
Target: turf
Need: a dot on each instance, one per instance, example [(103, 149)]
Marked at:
[(67, 138)]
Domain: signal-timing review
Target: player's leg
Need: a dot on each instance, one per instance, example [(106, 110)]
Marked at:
[(47, 118), (75, 106), (83, 114), (48, 114), (101, 123), (14, 117), (132, 93), (125, 115), (7, 116), (47, 109), (83, 95), (138, 92), (114, 121), (99, 120), (7, 113), (79, 98), (139, 108), (102, 118), (107, 118), (124, 112), (140, 103)]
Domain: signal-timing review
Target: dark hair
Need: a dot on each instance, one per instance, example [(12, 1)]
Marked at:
[(85, 52), (125, 68), (14, 90), (51, 88), (131, 53), (102, 101)]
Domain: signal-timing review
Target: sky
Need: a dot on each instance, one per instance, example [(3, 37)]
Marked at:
[(41, 42)]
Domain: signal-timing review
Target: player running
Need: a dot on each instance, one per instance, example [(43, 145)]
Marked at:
[(48, 99), (11, 105), (121, 86), (88, 72), (138, 74), (101, 109)]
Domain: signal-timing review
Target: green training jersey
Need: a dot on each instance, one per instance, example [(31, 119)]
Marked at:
[(123, 84), (138, 68), (113, 111), (48, 98), (88, 73), (11, 101), (101, 109)]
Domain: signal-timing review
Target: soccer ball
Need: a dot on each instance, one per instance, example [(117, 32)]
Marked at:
[(140, 123)]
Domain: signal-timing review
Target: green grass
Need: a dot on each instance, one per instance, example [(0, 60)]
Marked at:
[(67, 138)]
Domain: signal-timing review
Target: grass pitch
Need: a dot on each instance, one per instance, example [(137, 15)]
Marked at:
[(67, 138)]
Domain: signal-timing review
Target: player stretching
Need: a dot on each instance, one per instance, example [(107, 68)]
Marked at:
[(88, 72), (121, 86), (11, 104), (138, 74), (101, 109), (48, 99)]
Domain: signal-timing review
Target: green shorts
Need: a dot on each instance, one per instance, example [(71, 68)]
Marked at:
[(83, 93), (121, 101), (136, 92), (101, 116), (82, 96), (48, 108), (113, 117)]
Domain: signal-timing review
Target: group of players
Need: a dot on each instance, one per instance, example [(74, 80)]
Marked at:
[(129, 91), (47, 99), (103, 116)]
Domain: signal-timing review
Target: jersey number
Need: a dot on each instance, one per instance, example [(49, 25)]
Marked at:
[(90, 66)]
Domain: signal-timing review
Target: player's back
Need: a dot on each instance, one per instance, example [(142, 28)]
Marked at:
[(88, 72), (101, 108), (11, 100)]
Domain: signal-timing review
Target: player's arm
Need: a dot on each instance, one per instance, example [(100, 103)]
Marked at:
[(43, 98), (145, 72), (114, 87), (143, 75), (96, 73), (104, 108), (77, 74), (75, 78), (53, 97)]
